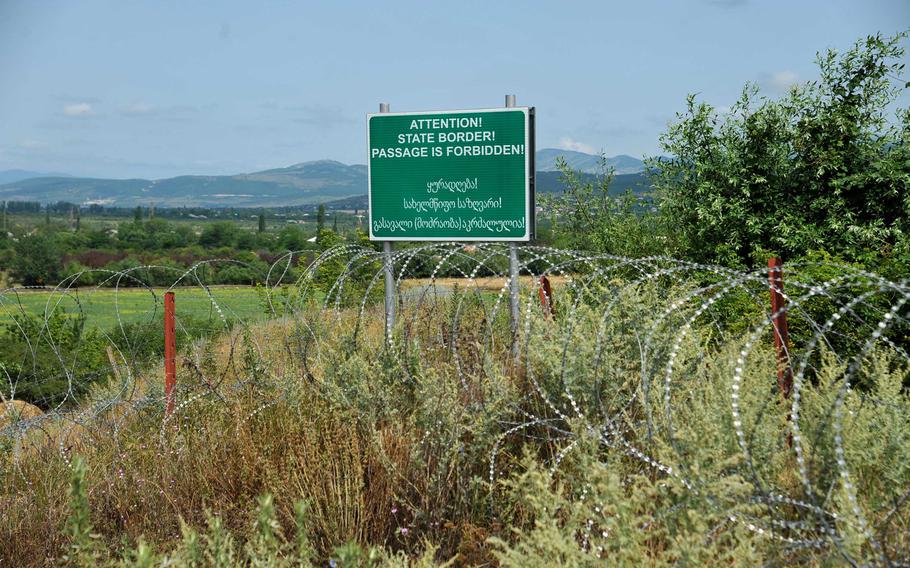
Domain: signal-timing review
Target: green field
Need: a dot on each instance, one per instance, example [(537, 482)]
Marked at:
[(103, 308)]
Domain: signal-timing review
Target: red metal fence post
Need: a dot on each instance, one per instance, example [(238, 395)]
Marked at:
[(779, 321), (170, 353), (546, 297)]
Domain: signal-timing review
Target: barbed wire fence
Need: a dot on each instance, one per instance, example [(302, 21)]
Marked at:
[(613, 354)]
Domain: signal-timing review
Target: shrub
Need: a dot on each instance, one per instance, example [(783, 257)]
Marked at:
[(37, 260), (51, 361), (822, 168)]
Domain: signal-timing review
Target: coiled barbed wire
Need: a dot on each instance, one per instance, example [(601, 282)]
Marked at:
[(841, 313)]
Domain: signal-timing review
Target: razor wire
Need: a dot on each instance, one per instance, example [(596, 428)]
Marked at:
[(83, 380)]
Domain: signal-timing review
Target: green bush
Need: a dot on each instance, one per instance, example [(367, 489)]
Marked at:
[(53, 360), (822, 168), (585, 216), (37, 260)]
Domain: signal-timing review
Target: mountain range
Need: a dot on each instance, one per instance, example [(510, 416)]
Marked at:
[(10, 176), (320, 181), (546, 160)]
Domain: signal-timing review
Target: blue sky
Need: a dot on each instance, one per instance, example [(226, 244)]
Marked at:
[(155, 89)]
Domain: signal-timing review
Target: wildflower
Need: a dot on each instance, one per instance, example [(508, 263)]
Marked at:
[(404, 530)]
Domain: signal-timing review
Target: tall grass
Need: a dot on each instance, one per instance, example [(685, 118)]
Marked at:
[(309, 439)]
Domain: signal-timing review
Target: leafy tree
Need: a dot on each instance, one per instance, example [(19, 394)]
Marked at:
[(586, 216), (137, 214), (823, 168), (245, 240), (261, 222), (320, 222), (218, 234), (292, 237), (131, 235), (97, 238), (266, 241), (37, 260)]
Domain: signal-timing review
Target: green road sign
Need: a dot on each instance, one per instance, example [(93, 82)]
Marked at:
[(465, 175)]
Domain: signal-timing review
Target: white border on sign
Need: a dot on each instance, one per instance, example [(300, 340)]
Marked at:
[(528, 204)]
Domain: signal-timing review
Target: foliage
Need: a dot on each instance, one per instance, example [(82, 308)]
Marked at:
[(44, 254), (821, 168), (320, 222), (266, 546), (218, 234), (585, 216), (36, 261), (52, 360), (57, 359), (392, 456), (615, 523), (84, 549)]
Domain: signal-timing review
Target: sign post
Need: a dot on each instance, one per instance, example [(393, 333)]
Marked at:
[(513, 272), (457, 175), (779, 325), (389, 274), (170, 353)]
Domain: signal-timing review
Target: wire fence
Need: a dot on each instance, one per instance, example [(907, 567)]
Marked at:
[(613, 350)]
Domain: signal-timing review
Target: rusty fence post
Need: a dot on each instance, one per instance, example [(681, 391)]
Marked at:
[(545, 291), (170, 353), (779, 323)]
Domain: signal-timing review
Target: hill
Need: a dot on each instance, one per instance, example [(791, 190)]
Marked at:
[(299, 184), (589, 163), (10, 176), (305, 183)]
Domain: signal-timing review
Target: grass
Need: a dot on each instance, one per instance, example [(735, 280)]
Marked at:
[(104, 308), (448, 444)]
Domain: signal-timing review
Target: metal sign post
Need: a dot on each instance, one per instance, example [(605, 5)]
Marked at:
[(513, 270), (389, 274)]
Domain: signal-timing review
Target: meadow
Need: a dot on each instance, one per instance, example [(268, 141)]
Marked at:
[(106, 308)]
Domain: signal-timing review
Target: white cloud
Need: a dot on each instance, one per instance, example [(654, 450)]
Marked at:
[(136, 109), (784, 79), (78, 109), (575, 146)]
